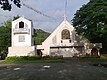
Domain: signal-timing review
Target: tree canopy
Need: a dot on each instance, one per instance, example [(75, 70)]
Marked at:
[(5, 36), (40, 36), (7, 4), (91, 21)]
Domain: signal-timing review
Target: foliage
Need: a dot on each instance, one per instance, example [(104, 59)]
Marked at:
[(40, 35), (7, 4), (5, 35), (52, 57), (91, 58), (91, 21), (22, 59)]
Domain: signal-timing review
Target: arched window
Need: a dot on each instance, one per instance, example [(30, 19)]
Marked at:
[(65, 34), (21, 24)]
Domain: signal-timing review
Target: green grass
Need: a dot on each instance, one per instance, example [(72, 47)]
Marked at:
[(93, 58), (31, 59)]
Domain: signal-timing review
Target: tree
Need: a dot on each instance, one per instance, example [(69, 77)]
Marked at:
[(5, 35), (40, 36), (91, 21), (6, 4)]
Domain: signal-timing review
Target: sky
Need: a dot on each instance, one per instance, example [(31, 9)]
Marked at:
[(52, 8)]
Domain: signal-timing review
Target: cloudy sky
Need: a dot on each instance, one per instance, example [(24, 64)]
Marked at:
[(52, 8)]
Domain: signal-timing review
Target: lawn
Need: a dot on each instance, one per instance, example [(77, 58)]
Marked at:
[(33, 59)]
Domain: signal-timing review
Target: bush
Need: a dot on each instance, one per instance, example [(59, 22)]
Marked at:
[(52, 57), (95, 58), (31, 58), (22, 58)]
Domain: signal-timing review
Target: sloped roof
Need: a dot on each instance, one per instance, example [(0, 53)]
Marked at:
[(21, 19), (60, 27)]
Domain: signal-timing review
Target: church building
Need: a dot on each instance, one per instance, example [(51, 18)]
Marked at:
[(63, 41), (66, 42)]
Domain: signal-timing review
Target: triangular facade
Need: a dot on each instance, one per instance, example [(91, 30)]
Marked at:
[(62, 41)]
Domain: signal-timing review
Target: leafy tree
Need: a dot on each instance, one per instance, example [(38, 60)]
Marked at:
[(40, 36), (7, 4), (5, 35), (91, 21)]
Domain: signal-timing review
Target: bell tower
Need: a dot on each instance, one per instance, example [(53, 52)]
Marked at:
[(22, 43)]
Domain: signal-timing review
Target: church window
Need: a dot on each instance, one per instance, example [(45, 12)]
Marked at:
[(21, 38), (21, 24), (65, 34)]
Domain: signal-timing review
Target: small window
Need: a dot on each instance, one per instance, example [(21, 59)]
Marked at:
[(21, 38), (21, 24)]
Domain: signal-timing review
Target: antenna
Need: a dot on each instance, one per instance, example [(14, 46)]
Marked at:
[(65, 13)]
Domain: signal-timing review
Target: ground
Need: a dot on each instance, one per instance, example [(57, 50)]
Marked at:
[(71, 69)]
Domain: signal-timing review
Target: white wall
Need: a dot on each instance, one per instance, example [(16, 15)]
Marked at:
[(27, 33), (57, 34)]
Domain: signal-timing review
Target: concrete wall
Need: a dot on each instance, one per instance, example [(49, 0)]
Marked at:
[(21, 51)]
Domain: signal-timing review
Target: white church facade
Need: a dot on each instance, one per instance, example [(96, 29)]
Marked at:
[(63, 41), (66, 42), (22, 42)]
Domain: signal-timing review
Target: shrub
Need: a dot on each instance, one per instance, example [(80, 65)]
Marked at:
[(95, 58), (53, 57), (22, 58), (31, 58)]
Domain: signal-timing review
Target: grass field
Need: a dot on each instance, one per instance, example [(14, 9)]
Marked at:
[(29, 59)]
